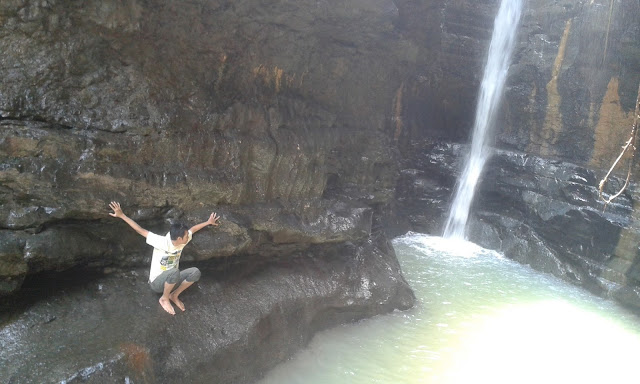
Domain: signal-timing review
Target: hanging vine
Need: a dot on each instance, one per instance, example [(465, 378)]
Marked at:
[(630, 145)]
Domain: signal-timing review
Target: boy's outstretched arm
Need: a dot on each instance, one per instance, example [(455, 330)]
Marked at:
[(213, 220), (117, 212)]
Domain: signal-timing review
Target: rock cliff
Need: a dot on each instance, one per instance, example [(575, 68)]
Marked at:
[(568, 109), (276, 115), (273, 113)]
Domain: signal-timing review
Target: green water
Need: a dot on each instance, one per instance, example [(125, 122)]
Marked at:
[(479, 318)]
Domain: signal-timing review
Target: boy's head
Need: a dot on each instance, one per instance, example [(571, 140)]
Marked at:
[(178, 233)]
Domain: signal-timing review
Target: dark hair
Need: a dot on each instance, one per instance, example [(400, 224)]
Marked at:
[(178, 230)]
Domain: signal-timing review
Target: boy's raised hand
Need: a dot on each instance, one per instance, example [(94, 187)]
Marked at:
[(213, 219), (117, 211)]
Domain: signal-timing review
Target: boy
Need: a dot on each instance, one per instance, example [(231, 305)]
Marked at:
[(164, 274)]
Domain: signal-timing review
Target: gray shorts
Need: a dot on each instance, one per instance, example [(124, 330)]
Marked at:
[(174, 276)]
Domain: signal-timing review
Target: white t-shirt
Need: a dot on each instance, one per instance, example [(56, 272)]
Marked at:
[(165, 254)]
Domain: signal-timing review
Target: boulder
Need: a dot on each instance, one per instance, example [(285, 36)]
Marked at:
[(238, 323)]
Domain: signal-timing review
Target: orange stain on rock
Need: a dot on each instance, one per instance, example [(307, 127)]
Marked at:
[(139, 361), (543, 142), (612, 130)]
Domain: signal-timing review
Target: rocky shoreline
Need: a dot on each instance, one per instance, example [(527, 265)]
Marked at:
[(241, 319)]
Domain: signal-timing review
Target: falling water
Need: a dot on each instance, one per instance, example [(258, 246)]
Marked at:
[(495, 74)]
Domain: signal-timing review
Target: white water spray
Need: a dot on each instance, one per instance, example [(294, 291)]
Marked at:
[(491, 89)]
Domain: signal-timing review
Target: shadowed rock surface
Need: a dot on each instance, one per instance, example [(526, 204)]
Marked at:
[(177, 108), (275, 115), (239, 321)]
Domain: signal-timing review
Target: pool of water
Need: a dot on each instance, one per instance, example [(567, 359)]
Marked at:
[(479, 318)]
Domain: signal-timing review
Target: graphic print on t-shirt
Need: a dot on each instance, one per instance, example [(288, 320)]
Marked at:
[(170, 260)]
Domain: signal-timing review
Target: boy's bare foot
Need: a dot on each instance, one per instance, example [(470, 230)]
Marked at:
[(166, 305), (177, 301)]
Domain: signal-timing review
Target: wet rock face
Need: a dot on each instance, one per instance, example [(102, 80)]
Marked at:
[(268, 112), (574, 81), (540, 212), (238, 322), (567, 111), (175, 109), (572, 84), (276, 115)]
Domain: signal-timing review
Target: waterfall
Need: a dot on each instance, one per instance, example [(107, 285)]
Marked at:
[(491, 89)]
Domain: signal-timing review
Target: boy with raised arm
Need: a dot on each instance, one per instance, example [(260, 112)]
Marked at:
[(164, 275)]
